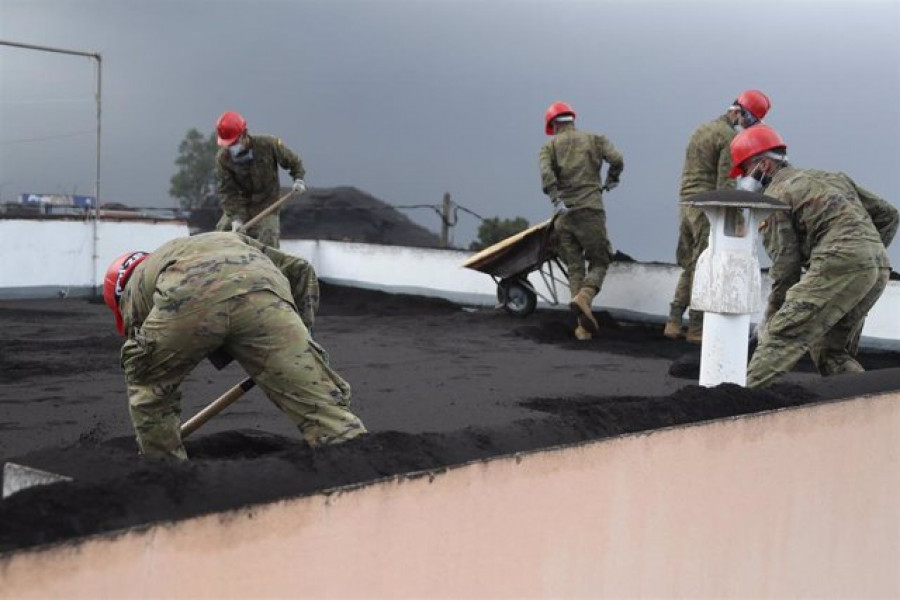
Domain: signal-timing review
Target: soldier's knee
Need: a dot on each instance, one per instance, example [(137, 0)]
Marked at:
[(793, 321)]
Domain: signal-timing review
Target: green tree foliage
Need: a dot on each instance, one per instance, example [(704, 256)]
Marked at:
[(494, 230), (194, 183)]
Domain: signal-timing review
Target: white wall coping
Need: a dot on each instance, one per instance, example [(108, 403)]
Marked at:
[(49, 258)]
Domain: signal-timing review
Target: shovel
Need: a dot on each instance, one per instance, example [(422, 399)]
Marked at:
[(18, 477), (265, 212), (216, 406), (219, 359)]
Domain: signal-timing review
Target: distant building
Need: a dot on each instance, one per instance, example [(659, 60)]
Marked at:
[(58, 203)]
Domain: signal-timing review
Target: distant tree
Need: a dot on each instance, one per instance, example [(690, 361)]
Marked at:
[(494, 230), (194, 182)]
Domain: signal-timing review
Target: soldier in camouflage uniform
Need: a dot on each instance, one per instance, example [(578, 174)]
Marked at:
[(707, 162), (836, 231), (247, 175), (199, 294), (570, 174)]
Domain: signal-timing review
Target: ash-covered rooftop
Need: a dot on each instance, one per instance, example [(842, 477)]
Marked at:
[(436, 383)]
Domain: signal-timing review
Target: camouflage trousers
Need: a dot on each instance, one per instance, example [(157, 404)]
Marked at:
[(693, 237), (822, 314), (266, 336), (267, 231), (581, 235)]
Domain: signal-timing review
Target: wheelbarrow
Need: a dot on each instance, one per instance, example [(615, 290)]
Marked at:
[(510, 261)]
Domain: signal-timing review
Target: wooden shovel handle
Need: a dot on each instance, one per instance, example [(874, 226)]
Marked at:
[(265, 212), (215, 407)]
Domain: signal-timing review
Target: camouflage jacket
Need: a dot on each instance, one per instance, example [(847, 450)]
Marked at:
[(190, 273), (245, 189), (570, 167), (832, 224), (707, 159)]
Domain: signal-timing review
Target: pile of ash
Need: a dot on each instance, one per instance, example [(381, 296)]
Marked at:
[(340, 213)]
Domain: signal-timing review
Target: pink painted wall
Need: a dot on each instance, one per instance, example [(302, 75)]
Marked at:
[(801, 502)]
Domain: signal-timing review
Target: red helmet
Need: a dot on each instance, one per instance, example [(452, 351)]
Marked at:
[(117, 276), (557, 109), (755, 102), (751, 142), (230, 127)]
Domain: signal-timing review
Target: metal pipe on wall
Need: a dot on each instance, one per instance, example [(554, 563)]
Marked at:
[(95, 56)]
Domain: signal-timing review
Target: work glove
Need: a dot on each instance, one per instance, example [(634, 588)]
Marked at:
[(610, 185), (236, 224), (299, 186)]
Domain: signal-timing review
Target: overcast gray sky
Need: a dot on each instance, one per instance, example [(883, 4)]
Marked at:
[(409, 99)]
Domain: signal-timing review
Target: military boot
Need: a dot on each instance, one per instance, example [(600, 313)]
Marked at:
[(582, 334), (695, 327), (581, 305), (673, 329)]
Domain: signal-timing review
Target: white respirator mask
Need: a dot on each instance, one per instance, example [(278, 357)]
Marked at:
[(240, 153), (756, 180), (748, 183)]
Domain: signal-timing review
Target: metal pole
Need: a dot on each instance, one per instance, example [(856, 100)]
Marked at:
[(94, 255), (96, 56), (445, 222), (50, 49)]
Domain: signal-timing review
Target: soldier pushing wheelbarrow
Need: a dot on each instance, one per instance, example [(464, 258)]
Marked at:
[(570, 163)]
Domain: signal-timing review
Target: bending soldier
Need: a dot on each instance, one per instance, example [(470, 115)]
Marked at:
[(195, 295), (834, 229)]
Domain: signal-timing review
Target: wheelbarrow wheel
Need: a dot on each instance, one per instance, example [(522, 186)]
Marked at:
[(516, 297)]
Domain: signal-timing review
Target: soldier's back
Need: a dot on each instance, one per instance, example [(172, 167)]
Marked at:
[(701, 170), (207, 268), (829, 218)]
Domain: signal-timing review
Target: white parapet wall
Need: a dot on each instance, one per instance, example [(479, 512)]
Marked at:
[(45, 258), (795, 503), (631, 288), (49, 258), (638, 287)]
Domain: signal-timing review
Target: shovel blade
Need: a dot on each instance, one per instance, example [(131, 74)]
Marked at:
[(18, 477)]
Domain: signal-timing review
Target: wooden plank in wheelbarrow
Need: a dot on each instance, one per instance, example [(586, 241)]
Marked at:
[(485, 259)]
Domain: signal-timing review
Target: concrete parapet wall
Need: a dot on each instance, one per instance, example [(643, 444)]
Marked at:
[(41, 258), (46, 258), (640, 289), (792, 503)]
